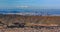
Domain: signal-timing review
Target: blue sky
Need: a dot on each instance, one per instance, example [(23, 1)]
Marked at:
[(30, 3)]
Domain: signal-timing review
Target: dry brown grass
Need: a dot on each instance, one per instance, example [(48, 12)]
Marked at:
[(9, 19)]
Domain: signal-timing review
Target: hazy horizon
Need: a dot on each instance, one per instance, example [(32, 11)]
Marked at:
[(30, 6), (50, 12)]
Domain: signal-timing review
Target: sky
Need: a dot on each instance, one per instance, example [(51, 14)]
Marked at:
[(30, 3)]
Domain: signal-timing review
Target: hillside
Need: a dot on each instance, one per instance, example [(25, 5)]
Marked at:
[(9, 19)]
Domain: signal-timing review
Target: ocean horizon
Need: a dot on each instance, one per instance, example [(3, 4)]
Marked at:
[(50, 12)]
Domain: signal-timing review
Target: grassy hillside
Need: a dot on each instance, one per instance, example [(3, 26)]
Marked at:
[(9, 19)]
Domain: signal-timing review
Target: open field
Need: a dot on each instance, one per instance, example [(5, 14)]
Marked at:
[(8, 23), (9, 19)]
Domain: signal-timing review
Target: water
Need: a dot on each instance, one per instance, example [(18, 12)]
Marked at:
[(31, 11)]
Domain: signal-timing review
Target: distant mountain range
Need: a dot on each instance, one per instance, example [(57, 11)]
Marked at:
[(53, 12)]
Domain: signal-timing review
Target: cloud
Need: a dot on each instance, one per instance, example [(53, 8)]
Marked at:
[(22, 6)]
